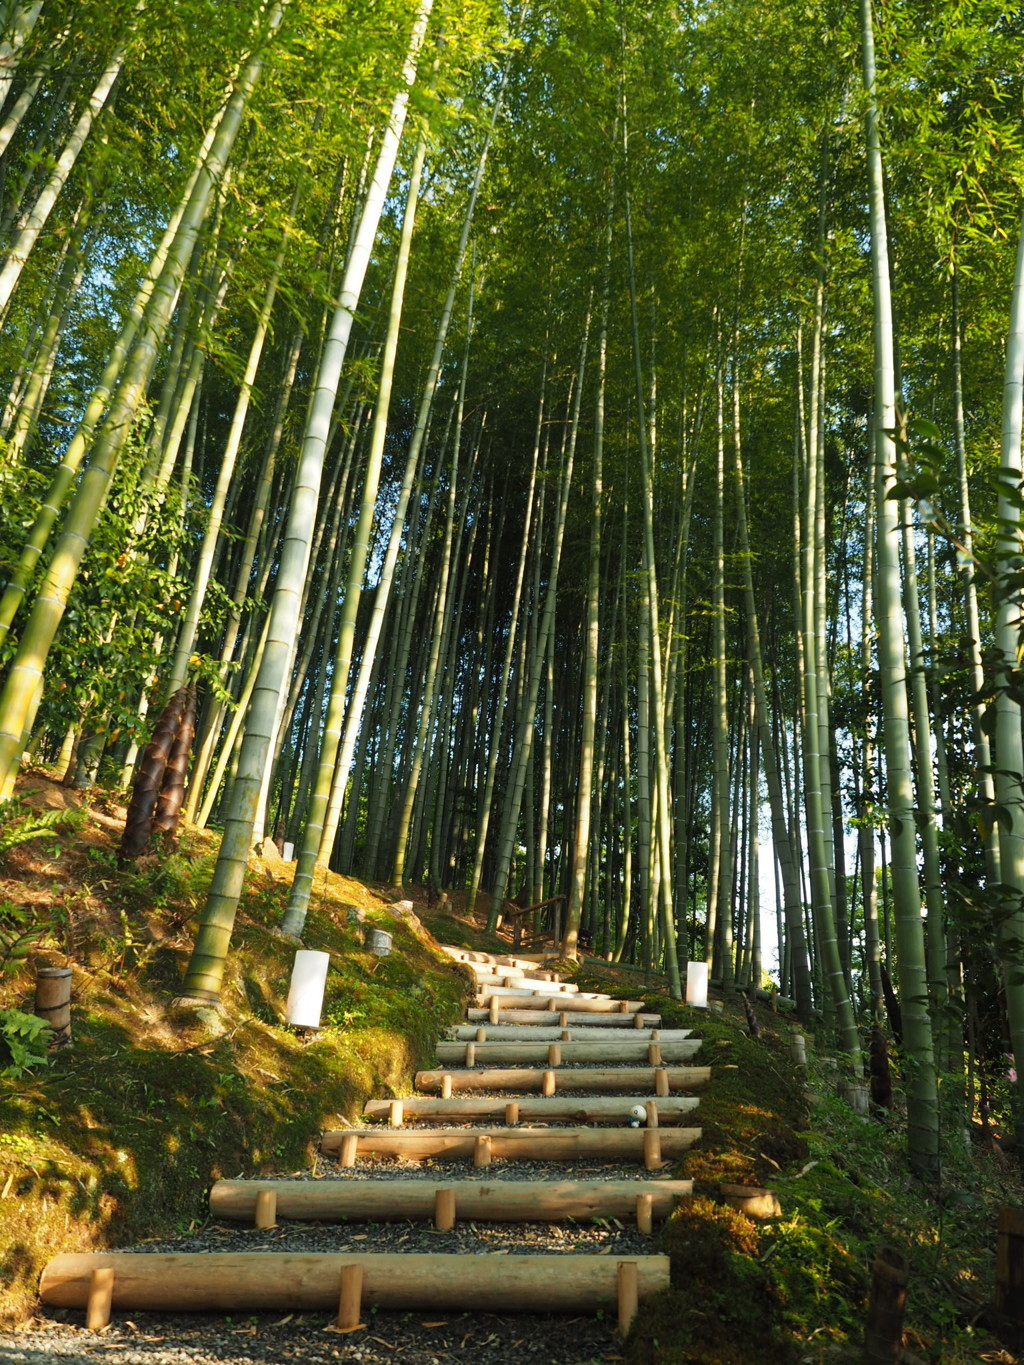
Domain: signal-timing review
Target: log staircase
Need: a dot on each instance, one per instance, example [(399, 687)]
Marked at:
[(535, 1051)]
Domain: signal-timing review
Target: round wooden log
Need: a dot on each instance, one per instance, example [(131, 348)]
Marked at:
[(268, 1281), (348, 1148), (513, 985), (576, 1018), (883, 1337), (265, 1213), (650, 1145), (444, 1210), (645, 1214), (99, 1299), (396, 1113), (350, 1297), (1010, 1264), (361, 1201), (622, 1080), (752, 1200), (548, 1109), (53, 1001), (556, 1054), (575, 1033), (628, 1295), (581, 1004)]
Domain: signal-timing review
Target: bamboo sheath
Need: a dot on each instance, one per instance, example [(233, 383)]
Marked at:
[(575, 1016), (550, 1033), (557, 1109), (265, 1281), (595, 1080), (477, 1200), (614, 1050), (516, 1144)]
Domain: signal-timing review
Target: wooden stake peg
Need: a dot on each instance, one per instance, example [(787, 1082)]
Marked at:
[(563, 1020), (446, 1087), (661, 1083), (645, 1214), (652, 1113), (547, 1083), (1010, 1264), (266, 1209), (554, 1054), (566, 1036), (883, 1335), (652, 1148), (396, 1113), (481, 1035), (470, 1055), (624, 1007), (350, 1297), (444, 1210), (628, 1294), (482, 1151), (494, 1010), (101, 1296), (511, 1114), (654, 1054), (348, 1150), (638, 1020)]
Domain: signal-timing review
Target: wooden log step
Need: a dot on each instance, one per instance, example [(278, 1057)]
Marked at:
[(554, 1033), (234, 1282), (503, 1201), (513, 1144), (611, 1050), (572, 1017), (512, 981), (622, 1080), (471, 955), (534, 1108), (523, 999)]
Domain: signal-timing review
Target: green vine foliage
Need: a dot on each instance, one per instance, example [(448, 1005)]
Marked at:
[(24, 1040)]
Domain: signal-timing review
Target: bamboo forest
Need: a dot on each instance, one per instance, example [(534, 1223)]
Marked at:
[(562, 457)]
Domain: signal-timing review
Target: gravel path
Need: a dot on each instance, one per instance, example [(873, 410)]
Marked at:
[(418, 1338)]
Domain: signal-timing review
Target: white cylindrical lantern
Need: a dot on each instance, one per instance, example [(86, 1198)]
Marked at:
[(306, 992), (697, 985), (289, 853)]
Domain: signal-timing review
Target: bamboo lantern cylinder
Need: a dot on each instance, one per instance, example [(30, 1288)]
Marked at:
[(1010, 1264), (53, 1001), (883, 1337), (697, 985), (798, 1046), (306, 991)]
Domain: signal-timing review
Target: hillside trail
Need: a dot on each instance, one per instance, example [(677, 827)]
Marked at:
[(504, 1212)]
